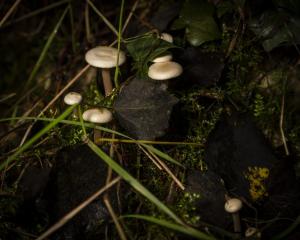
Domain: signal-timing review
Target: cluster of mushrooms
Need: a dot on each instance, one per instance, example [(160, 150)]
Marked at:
[(163, 68), (105, 58)]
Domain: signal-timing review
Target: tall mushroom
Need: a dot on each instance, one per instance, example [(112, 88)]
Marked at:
[(233, 206), (105, 58)]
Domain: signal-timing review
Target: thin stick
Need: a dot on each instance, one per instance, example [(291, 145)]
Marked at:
[(36, 12), (130, 15), (83, 70), (115, 219), (150, 157), (76, 210), (167, 169), (98, 141), (105, 20), (10, 11), (281, 127), (87, 22)]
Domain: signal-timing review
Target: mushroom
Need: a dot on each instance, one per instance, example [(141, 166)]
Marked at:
[(252, 231), (105, 58), (97, 115), (167, 37), (165, 58), (233, 206), (72, 98), (164, 70)]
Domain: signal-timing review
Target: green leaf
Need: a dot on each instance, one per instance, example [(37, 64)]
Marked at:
[(197, 17), (201, 32), (277, 27), (179, 228), (144, 49)]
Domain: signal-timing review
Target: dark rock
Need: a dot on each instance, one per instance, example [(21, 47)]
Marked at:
[(143, 108), (79, 173), (201, 68), (238, 152), (210, 205), (33, 182)]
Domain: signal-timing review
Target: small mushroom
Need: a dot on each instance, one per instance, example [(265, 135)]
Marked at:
[(164, 70), (233, 206), (72, 98), (164, 58), (168, 57), (105, 58), (251, 232), (97, 115), (167, 37)]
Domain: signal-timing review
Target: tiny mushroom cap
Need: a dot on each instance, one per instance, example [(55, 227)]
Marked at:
[(97, 115), (164, 70), (233, 205), (164, 58), (104, 57), (250, 231), (72, 98), (167, 37)]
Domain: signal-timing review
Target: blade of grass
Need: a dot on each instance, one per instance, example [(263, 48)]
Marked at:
[(90, 125), (9, 12), (36, 137), (118, 140), (133, 182), (117, 70), (286, 232), (104, 19), (72, 28), (179, 228), (36, 12), (45, 49)]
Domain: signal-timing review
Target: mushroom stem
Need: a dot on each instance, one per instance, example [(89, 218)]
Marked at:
[(236, 222), (106, 81)]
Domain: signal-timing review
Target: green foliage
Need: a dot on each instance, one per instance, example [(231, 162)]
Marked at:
[(196, 17), (186, 208), (202, 119), (144, 49), (279, 26)]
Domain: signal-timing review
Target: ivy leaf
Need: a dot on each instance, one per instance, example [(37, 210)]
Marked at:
[(277, 27), (197, 18), (143, 108), (144, 49)]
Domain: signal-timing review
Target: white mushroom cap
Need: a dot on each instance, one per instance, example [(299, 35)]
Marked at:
[(233, 205), (167, 37), (164, 58), (72, 98), (164, 70), (250, 231), (104, 57), (97, 115)]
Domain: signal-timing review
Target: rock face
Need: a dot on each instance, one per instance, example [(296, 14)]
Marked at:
[(238, 152), (78, 173), (210, 205)]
